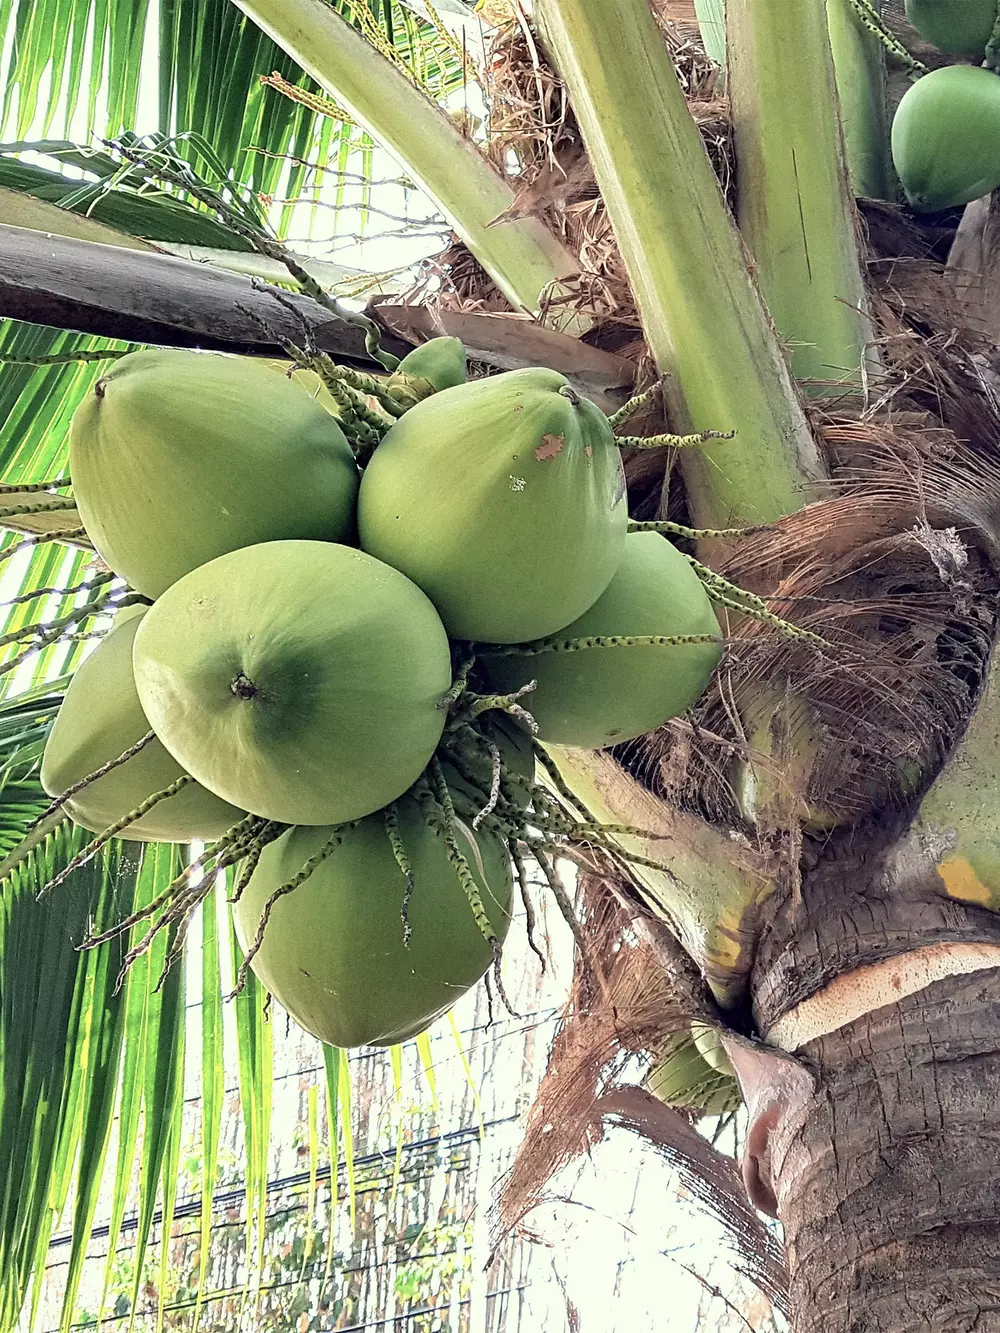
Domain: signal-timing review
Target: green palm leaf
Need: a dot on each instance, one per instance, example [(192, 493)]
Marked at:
[(60, 1034), (154, 216)]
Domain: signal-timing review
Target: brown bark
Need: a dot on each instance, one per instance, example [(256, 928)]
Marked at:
[(888, 1177), (155, 298), (886, 1171)]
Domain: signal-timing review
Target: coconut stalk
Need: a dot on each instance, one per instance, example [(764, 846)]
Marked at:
[(707, 885), (797, 216), (712, 26), (701, 313), (859, 64), (958, 823), (524, 259), (795, 210)]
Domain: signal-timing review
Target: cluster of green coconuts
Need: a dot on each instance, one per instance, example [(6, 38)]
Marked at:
[(946, 131), (325, 668)]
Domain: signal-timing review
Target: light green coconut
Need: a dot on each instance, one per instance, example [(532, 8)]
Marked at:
[(178, 457), (946, 137), (305, 676), (333, 951), (504, 499), (598, 696), (437, 364), (958, 27), (99, 719), (683, 1078)]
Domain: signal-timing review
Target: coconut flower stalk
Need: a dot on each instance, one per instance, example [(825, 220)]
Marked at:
[(859, 61)]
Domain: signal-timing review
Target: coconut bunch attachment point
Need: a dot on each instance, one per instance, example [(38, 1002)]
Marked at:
[(358, 732)]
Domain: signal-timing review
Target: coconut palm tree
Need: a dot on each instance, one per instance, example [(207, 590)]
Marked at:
[(818, 892)]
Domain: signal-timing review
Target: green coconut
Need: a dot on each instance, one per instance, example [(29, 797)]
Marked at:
[(682, 1077), (946, 137), (99, 719), (333, 951), (504, 499), (300, 680), (598, 696), (437, 364), (178, 457), (710, 1047), (958, 27)]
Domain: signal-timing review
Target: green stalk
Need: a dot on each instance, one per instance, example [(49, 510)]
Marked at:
[(859, 63), (522, 256), (701, 312), (709, 890), (712, 25), (795, 210), (958, 824)]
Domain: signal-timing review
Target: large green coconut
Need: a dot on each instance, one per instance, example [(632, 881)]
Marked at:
[(597, 696), (958, 27), (504, 499), (946, 137), (99, 719), (333, 950), (299, 680), (178, 457)]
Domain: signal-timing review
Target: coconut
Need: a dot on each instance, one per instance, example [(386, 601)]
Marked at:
[(437, 364), (682, 1077), (599, 695), (99, 719), (305, 676), (178, 457), (958, 27), (946, 137), (711, 1048), (504, 499), (334, 951)]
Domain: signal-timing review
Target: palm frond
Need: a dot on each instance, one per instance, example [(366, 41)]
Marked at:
[(61, 1028), (209, 64), (151, 215), (37, 403), (255, 1046)]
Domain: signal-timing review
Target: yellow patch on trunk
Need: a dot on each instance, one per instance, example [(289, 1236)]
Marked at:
[(963, 883)]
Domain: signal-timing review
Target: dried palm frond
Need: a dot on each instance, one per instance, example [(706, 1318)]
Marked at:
[(655, 991)]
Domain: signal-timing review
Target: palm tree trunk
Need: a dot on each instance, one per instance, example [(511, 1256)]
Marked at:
[(888, 1179), (886, 1175)]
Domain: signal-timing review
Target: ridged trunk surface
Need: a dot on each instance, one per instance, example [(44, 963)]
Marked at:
[(888, 1181), (887, 1176)]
